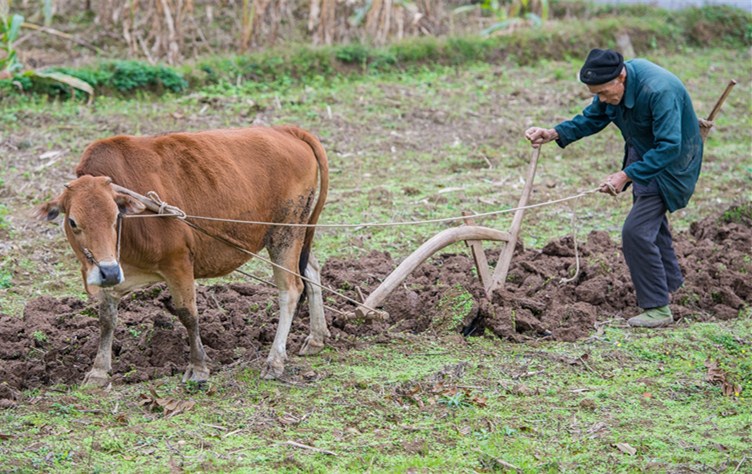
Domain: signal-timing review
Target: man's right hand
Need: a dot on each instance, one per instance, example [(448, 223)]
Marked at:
[(538, 136)]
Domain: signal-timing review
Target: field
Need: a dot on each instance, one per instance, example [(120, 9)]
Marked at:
[(550, 380)]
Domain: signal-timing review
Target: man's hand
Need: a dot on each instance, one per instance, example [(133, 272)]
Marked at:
[(615, 183), (538, 136), (705, 126)]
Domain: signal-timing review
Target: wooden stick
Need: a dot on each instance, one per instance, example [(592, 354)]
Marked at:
[(501, 462), (740, 464), (305, 446), (707, 124), (479, 257), (721, 100), (54, 32), (502, 266)]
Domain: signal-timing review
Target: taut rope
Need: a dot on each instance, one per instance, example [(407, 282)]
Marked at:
[(153, 202), (180, 214)]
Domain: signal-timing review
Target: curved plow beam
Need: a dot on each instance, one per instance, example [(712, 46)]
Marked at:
[(433, 245)]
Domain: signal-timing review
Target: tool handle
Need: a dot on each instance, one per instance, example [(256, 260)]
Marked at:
[(721, 100)]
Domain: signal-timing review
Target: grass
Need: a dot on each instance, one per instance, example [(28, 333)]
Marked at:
[(428, 144), (418, 403)]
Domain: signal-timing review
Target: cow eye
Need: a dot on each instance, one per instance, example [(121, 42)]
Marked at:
[(72, 224)]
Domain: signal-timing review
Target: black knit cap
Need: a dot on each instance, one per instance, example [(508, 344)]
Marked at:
[(601, 66)]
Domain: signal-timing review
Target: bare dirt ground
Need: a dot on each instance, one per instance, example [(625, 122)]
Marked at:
[(55, 341)]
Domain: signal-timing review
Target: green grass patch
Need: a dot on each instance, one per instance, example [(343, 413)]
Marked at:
[(418, 403)]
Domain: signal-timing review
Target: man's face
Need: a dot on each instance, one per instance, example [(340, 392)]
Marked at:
[(610, 92)]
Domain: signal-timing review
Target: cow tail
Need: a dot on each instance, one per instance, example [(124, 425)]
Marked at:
[(320, 153)]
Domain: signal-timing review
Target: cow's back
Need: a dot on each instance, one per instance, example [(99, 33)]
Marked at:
[(252, 174)]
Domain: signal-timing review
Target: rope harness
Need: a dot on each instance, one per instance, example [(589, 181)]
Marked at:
[(180, 214), (162, 209)]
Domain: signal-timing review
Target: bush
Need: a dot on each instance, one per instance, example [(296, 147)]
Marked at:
[(128, 76), (355, 53), (123, 77), (648, 27), (703, 26)]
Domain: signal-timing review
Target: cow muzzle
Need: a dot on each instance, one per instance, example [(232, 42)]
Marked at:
[(105, 274)]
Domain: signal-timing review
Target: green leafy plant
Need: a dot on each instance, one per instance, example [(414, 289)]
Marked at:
[(10, 26), (458, 400), (741, 214), (6, 279), (4, 224), (354, 53), (10, 65), (129, 75), (62, 409)]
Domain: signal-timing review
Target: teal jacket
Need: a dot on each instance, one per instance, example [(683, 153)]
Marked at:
[(657, 118)]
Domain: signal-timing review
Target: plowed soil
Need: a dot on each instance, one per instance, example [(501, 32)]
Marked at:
[(55, 341)]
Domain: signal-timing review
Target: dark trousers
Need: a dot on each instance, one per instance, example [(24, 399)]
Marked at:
[(648, 249)]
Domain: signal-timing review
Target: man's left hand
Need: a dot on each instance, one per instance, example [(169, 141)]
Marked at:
[(615, 183)]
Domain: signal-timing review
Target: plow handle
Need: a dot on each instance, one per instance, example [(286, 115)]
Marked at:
[(721, 100)]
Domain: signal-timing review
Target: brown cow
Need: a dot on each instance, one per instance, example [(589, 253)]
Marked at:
[(253, 174)]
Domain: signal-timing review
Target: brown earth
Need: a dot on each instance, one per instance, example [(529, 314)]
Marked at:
[(55, 341)]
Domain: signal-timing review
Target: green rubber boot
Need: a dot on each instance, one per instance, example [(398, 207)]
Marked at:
[(652, 318)]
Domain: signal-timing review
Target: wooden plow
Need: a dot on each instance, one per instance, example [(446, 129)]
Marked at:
[(492, 280)]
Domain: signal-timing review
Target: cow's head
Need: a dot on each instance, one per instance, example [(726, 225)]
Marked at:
[(92, 212)]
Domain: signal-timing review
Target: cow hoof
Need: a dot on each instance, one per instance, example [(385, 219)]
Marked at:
[(97, 378), (272, 370), (311, 347), (196, 375)]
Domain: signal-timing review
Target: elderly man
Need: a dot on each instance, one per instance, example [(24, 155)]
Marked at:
[(662, 159)]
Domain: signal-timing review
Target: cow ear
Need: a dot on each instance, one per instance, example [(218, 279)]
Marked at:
[(48, 211), (129, 205)]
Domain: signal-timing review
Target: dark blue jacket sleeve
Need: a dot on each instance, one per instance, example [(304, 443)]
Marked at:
[(592, 120)]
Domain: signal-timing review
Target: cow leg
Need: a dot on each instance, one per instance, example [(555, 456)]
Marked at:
[(99, 375), (314, 343), (184, 299), (290, 288)]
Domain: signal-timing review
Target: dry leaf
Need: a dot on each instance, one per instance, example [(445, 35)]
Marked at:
[(310, 375), (170, 406), (718, 376), (479, 401), (626, 448), (715, 373)]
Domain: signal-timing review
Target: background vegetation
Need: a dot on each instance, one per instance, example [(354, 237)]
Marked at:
[(366, 41)]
